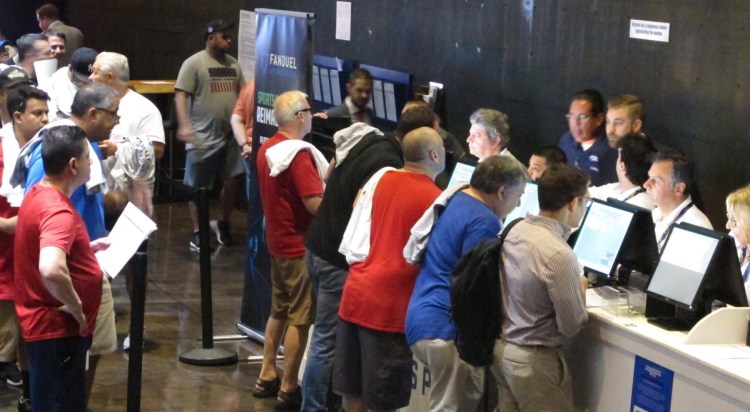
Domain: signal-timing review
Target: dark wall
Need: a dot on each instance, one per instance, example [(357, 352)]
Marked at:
[(524, 57), (528, 57), (156, 35)]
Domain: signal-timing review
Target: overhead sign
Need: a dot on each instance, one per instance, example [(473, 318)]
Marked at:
[(649, 30)]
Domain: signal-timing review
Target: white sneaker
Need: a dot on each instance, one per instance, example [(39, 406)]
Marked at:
[(126, 343)]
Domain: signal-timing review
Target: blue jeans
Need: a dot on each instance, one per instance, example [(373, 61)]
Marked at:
[(57, 371), (328, 282)]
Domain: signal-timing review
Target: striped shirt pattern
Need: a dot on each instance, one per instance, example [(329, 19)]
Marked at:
[(540, 284), (223, 79)]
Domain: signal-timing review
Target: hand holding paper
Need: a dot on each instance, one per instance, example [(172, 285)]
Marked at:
[(131, 229)]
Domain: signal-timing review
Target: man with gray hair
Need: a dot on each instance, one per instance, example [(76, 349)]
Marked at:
[(131, 151), (471, 215), (488, 135), (136, 139), (290, 180), (32, 47)]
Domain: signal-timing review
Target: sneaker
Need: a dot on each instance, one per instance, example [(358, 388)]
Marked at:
[(195, 243), (126, 343), (24, 404), (13, 375), (221, 228)]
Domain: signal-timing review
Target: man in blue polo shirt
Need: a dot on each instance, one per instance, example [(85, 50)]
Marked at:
[(585, 143)]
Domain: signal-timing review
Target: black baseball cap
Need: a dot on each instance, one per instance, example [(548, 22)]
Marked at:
[(218, 25), (12, 76), (82, 62)]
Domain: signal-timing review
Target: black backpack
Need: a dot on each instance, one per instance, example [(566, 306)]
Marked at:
[(475, 300)]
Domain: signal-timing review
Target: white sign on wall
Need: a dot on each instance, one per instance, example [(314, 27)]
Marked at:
[(649, 30)]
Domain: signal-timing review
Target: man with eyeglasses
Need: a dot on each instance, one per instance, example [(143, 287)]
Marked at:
[(585, 144), (207, 87), (542, 301), (290, 182), (65, 82)]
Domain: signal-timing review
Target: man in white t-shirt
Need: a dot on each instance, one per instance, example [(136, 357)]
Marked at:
[(65, 82), (669, 185)]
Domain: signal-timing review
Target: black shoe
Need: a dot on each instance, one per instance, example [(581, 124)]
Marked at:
[(221, 228), (13, 375), (24, 404)]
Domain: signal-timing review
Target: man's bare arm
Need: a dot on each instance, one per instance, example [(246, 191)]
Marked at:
[(185, 132)]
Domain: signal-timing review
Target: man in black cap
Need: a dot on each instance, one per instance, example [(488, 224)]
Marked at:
[(206, 89), (65, 82), (11, 78)]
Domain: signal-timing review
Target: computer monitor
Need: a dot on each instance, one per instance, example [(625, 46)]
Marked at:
[(528, 204), (639, 252), (461, 173), (697, 266), (601, 236)]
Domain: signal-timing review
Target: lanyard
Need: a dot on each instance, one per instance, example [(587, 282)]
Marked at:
[(634, 194), (679, 215)]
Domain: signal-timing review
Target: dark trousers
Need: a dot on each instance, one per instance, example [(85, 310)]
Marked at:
[(57, 370)]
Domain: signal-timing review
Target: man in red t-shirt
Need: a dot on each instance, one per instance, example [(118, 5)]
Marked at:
[(291, 189), (58, 280), (372, 367)]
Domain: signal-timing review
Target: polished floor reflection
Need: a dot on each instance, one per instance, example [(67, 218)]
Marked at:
[(173, 326)]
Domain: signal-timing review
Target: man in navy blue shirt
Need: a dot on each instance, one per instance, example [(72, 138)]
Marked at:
[(585, 143)]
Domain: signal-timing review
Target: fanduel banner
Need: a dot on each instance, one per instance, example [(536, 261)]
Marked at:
[(283, 62)]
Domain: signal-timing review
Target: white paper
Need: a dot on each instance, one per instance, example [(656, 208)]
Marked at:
[(343, 20), (316, 83), (131, 229), (246, 44), (335, 87), (377, 97), (44, 69), (390, 101), (649, 30)]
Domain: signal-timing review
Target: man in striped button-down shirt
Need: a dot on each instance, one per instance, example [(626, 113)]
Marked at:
[(542, 298)]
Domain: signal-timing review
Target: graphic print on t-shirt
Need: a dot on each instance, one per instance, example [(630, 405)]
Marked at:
[(223, 79)]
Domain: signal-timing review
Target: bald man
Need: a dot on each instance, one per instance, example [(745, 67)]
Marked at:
[(372, 367)]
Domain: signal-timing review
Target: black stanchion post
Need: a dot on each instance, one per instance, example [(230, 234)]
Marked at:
[(137, 309), (207, 355)]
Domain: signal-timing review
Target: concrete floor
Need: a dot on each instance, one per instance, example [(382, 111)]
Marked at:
[(173, 326)]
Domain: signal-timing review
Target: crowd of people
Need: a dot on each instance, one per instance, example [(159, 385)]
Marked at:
[(363, 246)]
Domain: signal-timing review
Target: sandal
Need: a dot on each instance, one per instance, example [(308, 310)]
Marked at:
[(268, 388), (289, 401)]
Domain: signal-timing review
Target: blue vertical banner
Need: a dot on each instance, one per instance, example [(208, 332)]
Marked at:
[(652, 387), (283, 62)]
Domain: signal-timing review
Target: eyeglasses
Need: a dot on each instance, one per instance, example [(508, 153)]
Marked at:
[(110, 112), (580, 117), (309, 109)]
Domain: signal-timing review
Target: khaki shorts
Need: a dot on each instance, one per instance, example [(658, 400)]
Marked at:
[(105, 332), (9, 332), (291, 291)]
